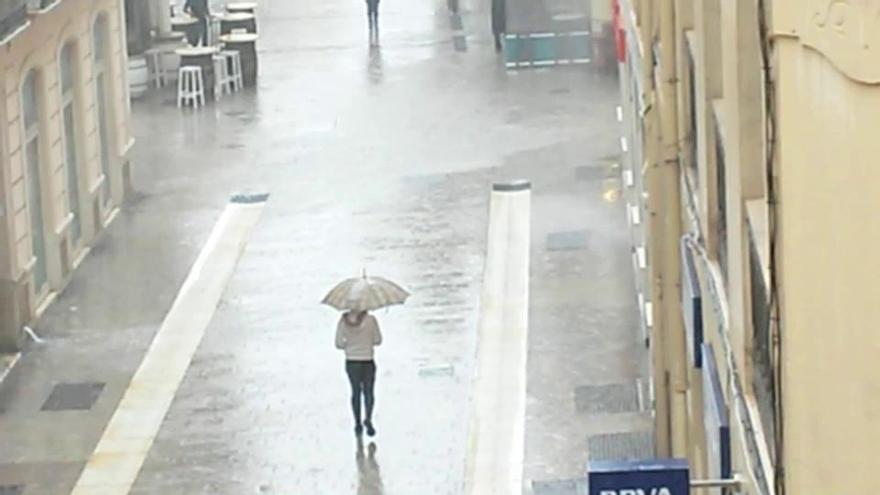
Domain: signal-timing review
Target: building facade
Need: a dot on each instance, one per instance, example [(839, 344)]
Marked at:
[(65, 140), (750, 166)]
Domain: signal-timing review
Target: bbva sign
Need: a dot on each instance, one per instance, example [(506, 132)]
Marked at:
[(648, 477)]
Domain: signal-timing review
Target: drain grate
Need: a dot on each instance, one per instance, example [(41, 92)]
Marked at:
[(607, 399), (565, 241), (11, 489), (560, 487), (73, 397), (626, 446)]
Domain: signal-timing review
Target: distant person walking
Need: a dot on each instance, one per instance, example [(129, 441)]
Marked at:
[(199, 9), (358, 334), (499, 21)]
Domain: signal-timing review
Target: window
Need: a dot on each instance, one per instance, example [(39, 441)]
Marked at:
[(721, 196), (31, 123), (101, 79), (68, 113), (692, 110), (762, 345)]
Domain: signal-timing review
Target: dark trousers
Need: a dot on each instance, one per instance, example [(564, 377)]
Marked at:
[(373, 12), (362, 376), (200, 34)]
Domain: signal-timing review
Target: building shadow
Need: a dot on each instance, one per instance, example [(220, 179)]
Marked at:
[(369, 474)]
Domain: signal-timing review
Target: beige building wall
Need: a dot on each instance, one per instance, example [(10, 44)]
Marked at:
[(829, 189), (825, 91), (38, 48)]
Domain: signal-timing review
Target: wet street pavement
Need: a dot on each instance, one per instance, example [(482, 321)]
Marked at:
[(377, 158)]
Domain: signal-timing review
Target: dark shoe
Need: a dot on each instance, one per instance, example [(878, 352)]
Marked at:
[(370, 430), (358, 430)]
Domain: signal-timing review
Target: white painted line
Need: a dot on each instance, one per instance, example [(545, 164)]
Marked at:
[(635, 214), (628, 178), (642, 257), (640, 394), (582, 60), (117, 459), (649, 315), (642, 303), (623, 145), (619, 113), (496, 442)]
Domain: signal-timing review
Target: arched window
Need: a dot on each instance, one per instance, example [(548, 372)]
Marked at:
[(31, 122), (100, 51), (67, 66)]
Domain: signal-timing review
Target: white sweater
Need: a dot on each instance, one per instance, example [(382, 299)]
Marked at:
[(358, 341)]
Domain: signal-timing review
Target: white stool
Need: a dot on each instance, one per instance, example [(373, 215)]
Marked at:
[(158, 77), (223, 82), (190, 86), (233, 58)]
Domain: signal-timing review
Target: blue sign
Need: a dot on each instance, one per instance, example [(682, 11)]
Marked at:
[(649, 477), (715, 419), (691, 304)]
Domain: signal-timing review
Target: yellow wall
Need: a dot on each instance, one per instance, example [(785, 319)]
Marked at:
[(829, 178), (39, 47)]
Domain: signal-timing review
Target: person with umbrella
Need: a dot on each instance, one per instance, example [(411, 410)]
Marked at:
[(358, 334)]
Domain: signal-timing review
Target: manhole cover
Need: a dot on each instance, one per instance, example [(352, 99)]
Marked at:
[(73, 397), (11, 489), (564, 241), (625, 446), (607, 399)]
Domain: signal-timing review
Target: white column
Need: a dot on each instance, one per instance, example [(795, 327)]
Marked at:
[(163, 17)]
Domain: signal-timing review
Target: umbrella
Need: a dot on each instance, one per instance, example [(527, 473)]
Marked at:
[(365, 294)]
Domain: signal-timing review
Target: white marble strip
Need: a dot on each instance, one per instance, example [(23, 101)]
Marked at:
[(496, 446), (117, 459)]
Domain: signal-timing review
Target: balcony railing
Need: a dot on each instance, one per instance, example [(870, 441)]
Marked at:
[(13, 15)]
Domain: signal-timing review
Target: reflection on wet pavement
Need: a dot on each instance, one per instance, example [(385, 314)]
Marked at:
[(369, 474)]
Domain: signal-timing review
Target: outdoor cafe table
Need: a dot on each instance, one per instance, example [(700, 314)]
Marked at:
[(246, 45), (200, 56), (242, 7), (238, 20)]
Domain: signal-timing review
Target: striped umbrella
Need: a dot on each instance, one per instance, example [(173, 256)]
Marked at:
[(365, 294)]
